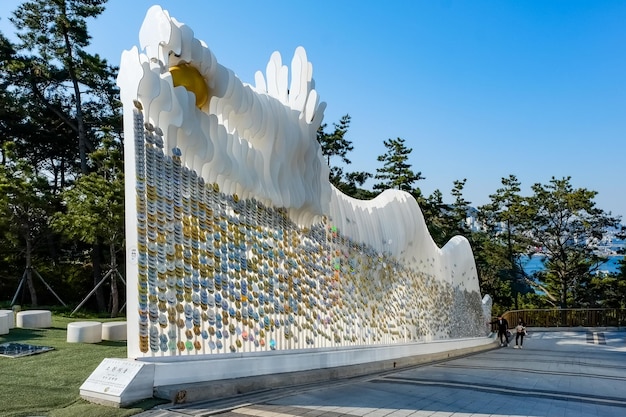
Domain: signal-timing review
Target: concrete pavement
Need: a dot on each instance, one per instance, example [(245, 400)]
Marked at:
[(566, 373)]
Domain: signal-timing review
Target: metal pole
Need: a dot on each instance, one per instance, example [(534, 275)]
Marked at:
[(92, 291), (120, 275), (48, 287), (19, 287), (122, 278)]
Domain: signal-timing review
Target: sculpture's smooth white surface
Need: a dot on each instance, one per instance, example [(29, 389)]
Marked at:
[(237, 241)]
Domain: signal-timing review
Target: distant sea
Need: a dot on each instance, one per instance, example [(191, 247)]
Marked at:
[(534, 263)]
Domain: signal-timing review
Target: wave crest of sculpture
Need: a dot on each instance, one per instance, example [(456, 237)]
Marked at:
[(253, 141), (229, 201)]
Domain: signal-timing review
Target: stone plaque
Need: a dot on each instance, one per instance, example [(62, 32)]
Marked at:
[(119, 382)]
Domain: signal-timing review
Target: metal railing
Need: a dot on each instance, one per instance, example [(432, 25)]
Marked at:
[(568, 317)]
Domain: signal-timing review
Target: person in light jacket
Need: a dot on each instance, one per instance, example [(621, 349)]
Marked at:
[(520, 332)]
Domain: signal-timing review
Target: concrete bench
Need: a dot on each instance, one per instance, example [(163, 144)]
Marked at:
[(84, 332), (11, 317), (4, 323), (34, 319), (114, 330)]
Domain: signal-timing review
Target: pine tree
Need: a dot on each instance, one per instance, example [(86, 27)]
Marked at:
[(396, 172), (335, 144), (568, 226), (502, 218), (54, 67), (25, 206), (62, 82), (94, 209)]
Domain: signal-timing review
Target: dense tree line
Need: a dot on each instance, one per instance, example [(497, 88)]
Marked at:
[(61, 154), (557, 221), (61, 186)]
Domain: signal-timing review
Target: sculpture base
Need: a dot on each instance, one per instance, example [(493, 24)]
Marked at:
[(188, 379)]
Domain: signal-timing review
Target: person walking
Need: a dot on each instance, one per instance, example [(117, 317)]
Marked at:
[(503, 327), (520, 332)]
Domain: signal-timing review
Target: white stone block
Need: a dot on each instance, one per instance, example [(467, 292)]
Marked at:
[(4, 323), (114, 330), (11, 316), (34, 319), (84, 332)]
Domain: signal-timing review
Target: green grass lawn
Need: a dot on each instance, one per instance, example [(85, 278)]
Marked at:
[(48, 383)]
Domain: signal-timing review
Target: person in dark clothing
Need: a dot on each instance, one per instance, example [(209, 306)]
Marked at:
[(503, 327)]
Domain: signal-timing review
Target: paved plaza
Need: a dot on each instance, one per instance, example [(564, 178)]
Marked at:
[(556, 374)]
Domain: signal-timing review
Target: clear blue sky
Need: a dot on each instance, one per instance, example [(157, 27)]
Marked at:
[(478, 89)]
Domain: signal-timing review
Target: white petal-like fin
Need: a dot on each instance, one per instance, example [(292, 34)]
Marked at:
[(272, 73), (155, 30), (259, 82), (311, 106)]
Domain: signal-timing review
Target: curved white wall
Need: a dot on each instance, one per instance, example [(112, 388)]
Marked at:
[(237, 242)]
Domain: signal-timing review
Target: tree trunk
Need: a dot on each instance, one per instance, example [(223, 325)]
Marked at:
[(563, 294), (97, 275), (71, 69), (115, 303), (29, 271)]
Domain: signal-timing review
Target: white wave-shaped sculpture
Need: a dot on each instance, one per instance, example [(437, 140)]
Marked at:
[(259, 142)]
